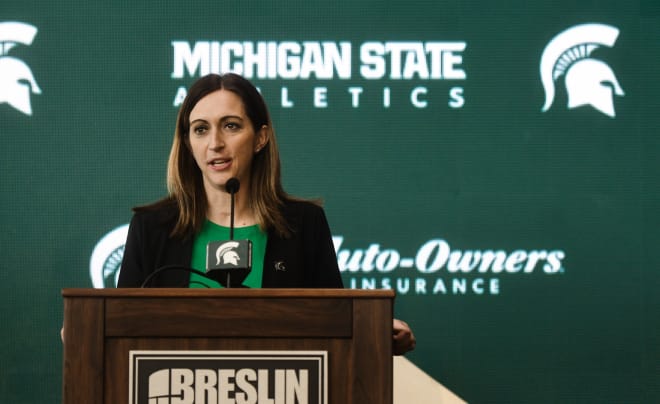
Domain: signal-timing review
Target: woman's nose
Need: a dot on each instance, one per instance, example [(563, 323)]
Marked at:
[(216, 140)]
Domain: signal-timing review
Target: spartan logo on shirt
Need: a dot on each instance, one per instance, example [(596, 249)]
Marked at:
[(227, 253), (16, 79), (588, 81)]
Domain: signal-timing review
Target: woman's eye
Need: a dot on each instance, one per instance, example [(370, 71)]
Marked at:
[(198, 130)]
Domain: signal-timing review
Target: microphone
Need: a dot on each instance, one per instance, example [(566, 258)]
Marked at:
[(229, 262), (232, 185)]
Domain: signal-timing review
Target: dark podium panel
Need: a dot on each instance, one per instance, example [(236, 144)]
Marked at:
[(101, 327)]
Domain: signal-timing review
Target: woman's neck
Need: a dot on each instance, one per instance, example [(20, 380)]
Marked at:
[(219, 208)]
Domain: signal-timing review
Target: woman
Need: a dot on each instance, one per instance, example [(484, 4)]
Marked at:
[(224, 131)]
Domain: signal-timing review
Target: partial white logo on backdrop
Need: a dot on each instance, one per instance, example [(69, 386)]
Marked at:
[(106, 258), (16, 79), (588, 81)]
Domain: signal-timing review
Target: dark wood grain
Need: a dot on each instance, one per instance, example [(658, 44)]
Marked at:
[(83, 350), (236, 317)]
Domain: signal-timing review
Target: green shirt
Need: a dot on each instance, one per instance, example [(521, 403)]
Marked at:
[(213, 232)]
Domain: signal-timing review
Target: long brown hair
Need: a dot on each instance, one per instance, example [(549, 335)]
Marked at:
[(184, 178)]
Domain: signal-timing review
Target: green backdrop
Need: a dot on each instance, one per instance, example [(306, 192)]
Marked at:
[(522, 243)]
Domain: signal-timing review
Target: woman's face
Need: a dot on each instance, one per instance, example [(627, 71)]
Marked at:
[(222, 139)]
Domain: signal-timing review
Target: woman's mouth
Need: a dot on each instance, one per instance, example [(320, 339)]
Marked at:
[(219, 163)]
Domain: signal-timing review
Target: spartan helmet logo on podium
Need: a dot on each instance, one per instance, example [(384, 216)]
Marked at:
[(588, 81), (227, 253), (16, 79)]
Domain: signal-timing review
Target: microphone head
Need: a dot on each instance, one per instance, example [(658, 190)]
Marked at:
[(232, 185)]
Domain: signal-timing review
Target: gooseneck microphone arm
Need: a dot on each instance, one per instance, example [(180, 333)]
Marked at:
[(232, 185)]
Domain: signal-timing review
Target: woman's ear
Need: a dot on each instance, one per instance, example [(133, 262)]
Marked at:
[(263, 136)]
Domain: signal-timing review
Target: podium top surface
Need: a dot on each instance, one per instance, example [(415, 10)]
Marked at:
[(228, 293)]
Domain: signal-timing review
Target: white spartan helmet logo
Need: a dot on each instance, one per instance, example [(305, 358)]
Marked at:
[(588, 81), (227, 254), (16, 80)]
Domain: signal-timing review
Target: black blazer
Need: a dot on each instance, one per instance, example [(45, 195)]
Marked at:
[(305, 260)]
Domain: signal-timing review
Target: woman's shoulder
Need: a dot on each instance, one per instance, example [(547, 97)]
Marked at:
[(304, 216), (302, 207), (162, 212)]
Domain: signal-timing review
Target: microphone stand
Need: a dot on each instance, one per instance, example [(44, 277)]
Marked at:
[(231, 186)]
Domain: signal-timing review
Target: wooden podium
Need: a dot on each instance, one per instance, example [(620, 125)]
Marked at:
[(103, 326)]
